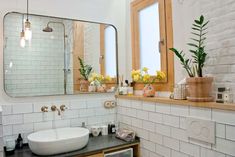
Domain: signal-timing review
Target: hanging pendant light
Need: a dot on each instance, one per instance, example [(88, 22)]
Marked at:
[(22, 34), (27, 25)]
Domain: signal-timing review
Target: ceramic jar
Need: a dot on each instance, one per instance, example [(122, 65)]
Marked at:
[(148, 90), (95, 130), (101, 88), (84, 84)]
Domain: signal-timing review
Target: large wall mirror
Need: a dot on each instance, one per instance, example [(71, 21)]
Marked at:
[(48, 63)]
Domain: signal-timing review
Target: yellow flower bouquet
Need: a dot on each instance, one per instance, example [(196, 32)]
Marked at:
[(143, 76)]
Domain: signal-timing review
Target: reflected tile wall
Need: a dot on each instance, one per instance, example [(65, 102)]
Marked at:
[(37, 68)]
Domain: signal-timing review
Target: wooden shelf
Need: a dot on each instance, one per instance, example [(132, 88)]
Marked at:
[(212, 105), (78, 92)]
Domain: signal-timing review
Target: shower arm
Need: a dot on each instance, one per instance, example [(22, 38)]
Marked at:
[(51, 22)]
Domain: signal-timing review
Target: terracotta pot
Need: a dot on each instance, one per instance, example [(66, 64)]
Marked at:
[(148, 91), (84, 84), (101, 88), (200, 89)]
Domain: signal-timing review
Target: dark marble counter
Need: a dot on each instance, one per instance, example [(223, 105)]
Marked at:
[(95, 145)]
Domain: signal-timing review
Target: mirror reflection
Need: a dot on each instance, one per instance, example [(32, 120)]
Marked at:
[(61, 56)]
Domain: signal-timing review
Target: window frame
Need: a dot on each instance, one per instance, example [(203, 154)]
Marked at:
[(166, 35)]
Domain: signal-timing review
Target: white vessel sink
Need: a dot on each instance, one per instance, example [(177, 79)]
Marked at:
[(56, 141)]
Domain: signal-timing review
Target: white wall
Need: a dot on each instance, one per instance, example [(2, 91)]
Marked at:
[(183, 16), (220, 38)]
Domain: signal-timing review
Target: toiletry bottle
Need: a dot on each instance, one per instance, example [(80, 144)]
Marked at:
[(19, 142), (120, 88), (227, 96), (109, 128), (130, 89), (83, 124), (113, 128), (125, 88)]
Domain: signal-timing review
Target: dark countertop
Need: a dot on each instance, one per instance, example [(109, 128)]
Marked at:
[(95, 145)]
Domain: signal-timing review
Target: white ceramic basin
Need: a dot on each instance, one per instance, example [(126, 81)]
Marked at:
[(56, 141)]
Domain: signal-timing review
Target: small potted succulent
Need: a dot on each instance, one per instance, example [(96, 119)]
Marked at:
[(85, 71), (199, 87), (99, 81), (143, 76)]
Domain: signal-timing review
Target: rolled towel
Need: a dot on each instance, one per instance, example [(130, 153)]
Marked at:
[(125, 134)]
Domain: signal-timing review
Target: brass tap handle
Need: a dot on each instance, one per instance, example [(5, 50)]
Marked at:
[(44, 109), (63, 108), (54, 108)]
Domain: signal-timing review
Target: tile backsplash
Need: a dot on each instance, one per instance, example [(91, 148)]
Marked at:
[(26, 118), (162, 129)]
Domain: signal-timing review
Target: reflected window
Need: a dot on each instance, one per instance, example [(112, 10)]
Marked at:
[(110, 51)]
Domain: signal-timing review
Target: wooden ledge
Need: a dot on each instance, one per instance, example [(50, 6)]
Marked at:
[(212, 105)]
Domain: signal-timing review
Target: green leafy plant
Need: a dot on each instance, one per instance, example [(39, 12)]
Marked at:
[(85, 70), (194, 67)]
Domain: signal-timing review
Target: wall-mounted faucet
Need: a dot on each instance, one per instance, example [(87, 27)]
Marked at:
[(54, 108), (63, 108), (44, 109)]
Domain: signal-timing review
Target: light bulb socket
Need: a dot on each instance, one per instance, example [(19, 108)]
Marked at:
[(22, 34), (27, 24)]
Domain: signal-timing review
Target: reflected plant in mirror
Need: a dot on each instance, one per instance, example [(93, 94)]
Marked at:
[(85, 71), (49, 64)]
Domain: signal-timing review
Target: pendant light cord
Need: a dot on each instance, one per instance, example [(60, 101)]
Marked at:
[(27, 10), (22, 22)]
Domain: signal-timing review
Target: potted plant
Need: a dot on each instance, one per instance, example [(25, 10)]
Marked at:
[(199, 87), (144, 77), (85, 71)]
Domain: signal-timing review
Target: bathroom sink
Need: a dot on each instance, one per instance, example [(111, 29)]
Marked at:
[(56, 141)]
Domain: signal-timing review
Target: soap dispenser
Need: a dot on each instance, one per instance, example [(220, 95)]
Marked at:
[(19, 142)]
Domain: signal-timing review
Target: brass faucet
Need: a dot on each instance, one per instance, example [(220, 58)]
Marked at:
[(44, 109), (54, 108), (63, 108)]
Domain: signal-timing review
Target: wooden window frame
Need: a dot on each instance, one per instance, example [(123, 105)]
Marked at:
[(78, 51), (166, 33)]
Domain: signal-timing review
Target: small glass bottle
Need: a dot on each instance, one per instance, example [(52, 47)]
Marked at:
[(228, 96)]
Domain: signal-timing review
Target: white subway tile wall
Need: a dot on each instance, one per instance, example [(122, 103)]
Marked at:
[(28, 118), (162, 131), (36, 69)]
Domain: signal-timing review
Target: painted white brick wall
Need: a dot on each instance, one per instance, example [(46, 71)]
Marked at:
[(27, 118), (163, 133), (220, 42)]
